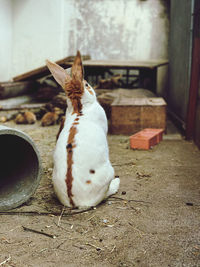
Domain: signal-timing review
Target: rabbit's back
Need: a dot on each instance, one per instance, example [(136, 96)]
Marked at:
[(82, 175), (91, 170)]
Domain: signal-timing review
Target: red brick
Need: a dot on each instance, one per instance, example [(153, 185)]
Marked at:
[(146, 138)]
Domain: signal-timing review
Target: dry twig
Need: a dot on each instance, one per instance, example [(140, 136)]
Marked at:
[(78, 246), (130, 200), (113, 249), (63, 209), (5, 261), (33, 213), (38, 232), (93, 246), (123, 164)]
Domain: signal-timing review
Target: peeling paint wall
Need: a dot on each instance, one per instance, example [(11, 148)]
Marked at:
[(120, 29), (105, 29)]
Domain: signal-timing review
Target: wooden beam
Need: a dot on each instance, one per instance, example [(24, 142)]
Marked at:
[(43, 71), (12, 89)]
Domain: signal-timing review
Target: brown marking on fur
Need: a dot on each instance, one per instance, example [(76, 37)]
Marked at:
[(92, 171), (88, 182), (88, 87), (77, 68), (61, 127), (74, 90), (90, 91), (69, 178), (69, 145)]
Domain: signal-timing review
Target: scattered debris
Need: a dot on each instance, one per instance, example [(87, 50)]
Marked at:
[(189, 204), (111, 83), (61, 244), (3, 119), (33, 213), (113, 249), (123, 164), (91, 245), (60, 101), (91, 218), (6, 240), (5, 261), (47, 93), (38, 232), (26, 117), (50, 118), (78, 246), (142, 175), (59, 219), (129, 200)]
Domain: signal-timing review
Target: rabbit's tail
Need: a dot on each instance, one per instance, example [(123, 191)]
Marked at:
[(113, 187)]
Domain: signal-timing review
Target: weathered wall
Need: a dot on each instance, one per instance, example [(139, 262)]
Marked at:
[(180, 57), (197, 121), (120, 29), (105, 29), (5, 39), (37, 33)]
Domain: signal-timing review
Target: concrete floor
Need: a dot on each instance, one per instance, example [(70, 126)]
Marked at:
[(154, 219)]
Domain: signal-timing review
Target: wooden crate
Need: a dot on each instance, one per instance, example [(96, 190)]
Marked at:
[(130, 115)]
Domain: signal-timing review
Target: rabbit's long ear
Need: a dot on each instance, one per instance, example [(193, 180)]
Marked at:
[(58, 73), (77, 68)]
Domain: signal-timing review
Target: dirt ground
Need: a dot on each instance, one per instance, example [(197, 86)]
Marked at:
[(154, 219)]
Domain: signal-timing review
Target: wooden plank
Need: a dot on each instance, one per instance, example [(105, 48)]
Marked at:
[(12, 89), (15, 102), (125, 63), (140, 101), (43, 71)]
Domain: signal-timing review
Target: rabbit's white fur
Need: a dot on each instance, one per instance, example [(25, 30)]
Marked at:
[(92, 173)]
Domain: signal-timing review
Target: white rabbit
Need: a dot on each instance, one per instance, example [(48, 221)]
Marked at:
[(82, 175)]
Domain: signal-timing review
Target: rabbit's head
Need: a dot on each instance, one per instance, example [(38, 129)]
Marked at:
[(78, 91)]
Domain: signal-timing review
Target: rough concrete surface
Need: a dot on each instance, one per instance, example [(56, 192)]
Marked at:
[(154, 219)]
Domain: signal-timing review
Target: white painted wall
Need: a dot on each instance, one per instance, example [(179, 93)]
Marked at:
[(37, 33), (105, 29), (120, 29), (5, 39)]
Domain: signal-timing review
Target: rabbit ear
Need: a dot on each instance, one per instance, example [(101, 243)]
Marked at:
[(58, 73), (77, 68)]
